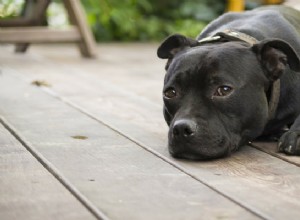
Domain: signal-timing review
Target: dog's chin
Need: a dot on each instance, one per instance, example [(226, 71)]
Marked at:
[(200, 153)]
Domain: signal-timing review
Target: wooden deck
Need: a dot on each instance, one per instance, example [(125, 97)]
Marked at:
[(90, 143)]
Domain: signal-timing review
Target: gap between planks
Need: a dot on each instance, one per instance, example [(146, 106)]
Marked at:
[(182, 169), (155, 152), (256, 145), (261, 146), (162, 157), (51, 168), (44, 95)]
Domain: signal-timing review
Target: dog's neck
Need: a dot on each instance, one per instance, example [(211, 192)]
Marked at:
[(232, 35)]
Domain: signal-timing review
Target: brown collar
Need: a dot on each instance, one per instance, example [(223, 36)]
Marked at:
[(229, 35), (232, 35)]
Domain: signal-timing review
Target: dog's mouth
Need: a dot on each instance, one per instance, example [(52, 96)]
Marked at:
[(200, 140), (199, 152), (193, 143)]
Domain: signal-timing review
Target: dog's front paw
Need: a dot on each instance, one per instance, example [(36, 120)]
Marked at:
[(289, 143)]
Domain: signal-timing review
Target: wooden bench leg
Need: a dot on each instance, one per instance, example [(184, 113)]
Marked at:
[(34, 14), (35, 10), (78, 19)]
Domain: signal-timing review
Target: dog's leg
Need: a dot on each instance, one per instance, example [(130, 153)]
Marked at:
[(289, 142)]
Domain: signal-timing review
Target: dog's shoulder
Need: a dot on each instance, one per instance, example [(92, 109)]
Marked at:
[(260, 22)]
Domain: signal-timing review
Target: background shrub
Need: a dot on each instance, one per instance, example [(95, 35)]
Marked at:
[(133, 20), (144, 20)]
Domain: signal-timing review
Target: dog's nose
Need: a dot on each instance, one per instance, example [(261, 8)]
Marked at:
[(184, 128)]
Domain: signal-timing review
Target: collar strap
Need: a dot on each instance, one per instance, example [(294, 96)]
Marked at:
[(229, 35), (232, 35), (274, 98)]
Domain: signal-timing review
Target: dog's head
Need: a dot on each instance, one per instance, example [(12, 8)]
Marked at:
[(216, 95)]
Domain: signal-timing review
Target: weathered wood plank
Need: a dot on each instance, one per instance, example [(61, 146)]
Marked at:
[(36, 12), (78, 18), (38, 35), (260, 179), (271, 148), (119, 177), (28, 190), (15, 22), (255, 179)]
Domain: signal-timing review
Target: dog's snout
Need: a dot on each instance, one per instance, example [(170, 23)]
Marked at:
[(184, 128)]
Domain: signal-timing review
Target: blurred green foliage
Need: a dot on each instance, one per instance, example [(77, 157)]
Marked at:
[(133, 20), (144, 20), (10, 8)]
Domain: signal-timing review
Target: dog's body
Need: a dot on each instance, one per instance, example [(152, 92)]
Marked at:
[(220, 89)]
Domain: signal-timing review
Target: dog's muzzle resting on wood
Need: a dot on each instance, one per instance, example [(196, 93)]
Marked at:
[(239, 80)]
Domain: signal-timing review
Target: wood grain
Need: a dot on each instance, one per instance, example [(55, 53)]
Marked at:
[(38, 35), (28, 190), (118, 176), (271, 148), (78, 18), (254, 179)]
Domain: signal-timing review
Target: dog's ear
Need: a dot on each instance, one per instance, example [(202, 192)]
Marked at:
[(275, 55), (173, 44)]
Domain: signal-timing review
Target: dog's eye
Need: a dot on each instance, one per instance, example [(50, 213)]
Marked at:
[(170, 93), (223, 91)]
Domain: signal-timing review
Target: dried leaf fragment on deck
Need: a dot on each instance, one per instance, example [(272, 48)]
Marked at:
[(40, 83), (80, 137)]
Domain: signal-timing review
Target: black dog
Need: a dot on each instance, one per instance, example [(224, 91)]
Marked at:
[(240, 79)]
